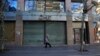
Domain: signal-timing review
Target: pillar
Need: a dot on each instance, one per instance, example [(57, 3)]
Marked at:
[(69, 23), (90, 23), (19, 23)]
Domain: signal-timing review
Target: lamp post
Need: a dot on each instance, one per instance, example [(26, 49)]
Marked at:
[(85, 10)]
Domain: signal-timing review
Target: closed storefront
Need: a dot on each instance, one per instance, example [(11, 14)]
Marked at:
[(34, 33), (56, 32), (9, 31)]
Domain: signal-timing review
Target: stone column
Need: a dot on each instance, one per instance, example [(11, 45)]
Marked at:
[(69, 23), (90, 23), (19, 23)]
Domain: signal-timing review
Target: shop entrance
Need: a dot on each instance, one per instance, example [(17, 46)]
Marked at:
[(77, 34)]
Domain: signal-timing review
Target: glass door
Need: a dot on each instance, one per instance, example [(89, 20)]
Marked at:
[(77, 35)]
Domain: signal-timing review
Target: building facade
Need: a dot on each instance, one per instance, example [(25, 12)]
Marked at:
[(28, 21)]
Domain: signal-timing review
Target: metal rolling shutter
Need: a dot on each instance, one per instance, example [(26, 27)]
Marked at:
[(56, 32), (33, 33)]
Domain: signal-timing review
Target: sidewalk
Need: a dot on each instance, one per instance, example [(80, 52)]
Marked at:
[(93, 50)]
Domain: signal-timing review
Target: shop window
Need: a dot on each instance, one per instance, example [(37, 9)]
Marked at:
[(44, 5), (30, 5), (51, 6), (77, 7), (40, 6), (10, 5), (77, 10)]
